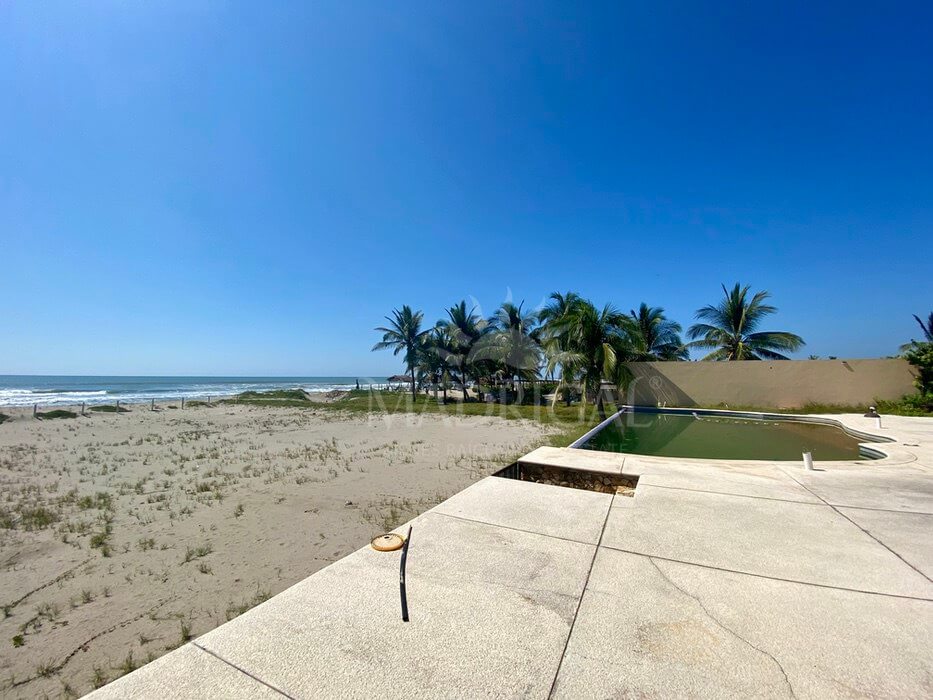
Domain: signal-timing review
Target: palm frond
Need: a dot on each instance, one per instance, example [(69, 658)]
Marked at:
[(731, 325)]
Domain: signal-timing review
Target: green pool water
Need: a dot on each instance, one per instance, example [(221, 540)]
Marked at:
[(718, 437)]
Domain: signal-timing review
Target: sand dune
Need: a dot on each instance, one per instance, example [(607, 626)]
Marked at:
[(122, 535)]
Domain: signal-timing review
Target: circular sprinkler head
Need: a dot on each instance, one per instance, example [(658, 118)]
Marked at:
[(388, 542)]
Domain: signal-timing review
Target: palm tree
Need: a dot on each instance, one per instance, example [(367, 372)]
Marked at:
[(553, 341), (511, 346), (403, 334), (654, 337), (593, 344), (926, 327), (465, 329), (559, 305), (730, 329), (434, 361)]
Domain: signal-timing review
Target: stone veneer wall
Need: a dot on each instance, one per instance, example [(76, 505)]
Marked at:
[(783, 384)]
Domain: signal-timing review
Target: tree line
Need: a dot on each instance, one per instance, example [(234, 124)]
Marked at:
[(575, 341)]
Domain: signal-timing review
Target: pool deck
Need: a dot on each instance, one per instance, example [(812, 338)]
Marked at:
[(716, 579)]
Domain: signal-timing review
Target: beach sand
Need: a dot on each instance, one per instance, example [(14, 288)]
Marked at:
[(123, 535)]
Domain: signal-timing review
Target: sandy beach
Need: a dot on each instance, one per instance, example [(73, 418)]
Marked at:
[(124, 535)]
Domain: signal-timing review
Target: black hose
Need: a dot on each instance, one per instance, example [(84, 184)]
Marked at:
[(401, 577)]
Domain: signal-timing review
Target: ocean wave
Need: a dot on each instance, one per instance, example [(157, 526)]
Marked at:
[(161, 391)]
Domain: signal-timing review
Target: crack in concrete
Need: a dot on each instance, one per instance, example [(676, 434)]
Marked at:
[(725, 493), (508, 527), (576, 612), (725, 627), (840, 513), (242, 670), (765, 576)]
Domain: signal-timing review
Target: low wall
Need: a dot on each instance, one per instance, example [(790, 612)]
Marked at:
[(784, 384)]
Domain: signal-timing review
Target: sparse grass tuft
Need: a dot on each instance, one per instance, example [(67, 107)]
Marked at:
[(101, 540), (101, 500), (128, 665), (235, 610), (98, 677), (45, 669), (49, 611), (37, 518), (197, 552), (185, 632)]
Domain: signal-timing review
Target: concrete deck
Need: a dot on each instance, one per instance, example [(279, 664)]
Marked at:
[(715, 580)]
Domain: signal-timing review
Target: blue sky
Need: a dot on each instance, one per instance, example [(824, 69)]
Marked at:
[(247, 188)]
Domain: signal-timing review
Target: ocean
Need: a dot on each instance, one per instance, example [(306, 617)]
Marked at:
[(26, 390)]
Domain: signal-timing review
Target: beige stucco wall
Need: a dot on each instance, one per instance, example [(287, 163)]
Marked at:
[(785, 384)]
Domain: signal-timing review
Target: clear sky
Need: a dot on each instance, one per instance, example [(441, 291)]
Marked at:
[(247, 188)]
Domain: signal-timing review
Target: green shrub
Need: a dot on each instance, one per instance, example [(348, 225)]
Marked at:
[(289, 394), (101, 540), (913, 405), (920, 355), (58, 413), (109, 409)]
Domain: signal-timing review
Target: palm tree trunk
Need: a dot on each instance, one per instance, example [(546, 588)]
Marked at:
[(411, 368), (463, 381)]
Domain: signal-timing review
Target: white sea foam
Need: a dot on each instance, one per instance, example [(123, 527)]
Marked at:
[(142, 390)]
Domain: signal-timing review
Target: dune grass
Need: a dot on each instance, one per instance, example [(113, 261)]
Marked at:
[(275, 395), (108, 409), (58, 413)]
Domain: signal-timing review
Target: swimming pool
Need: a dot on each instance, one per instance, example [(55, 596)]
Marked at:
[(722, 435)]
